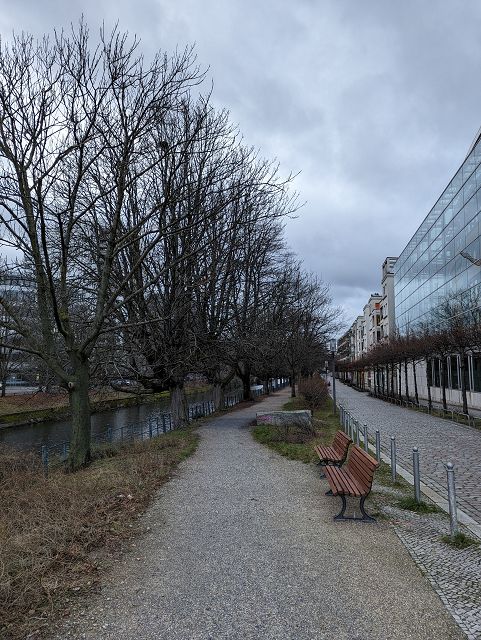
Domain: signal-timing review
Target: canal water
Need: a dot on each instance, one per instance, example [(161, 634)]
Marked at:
[(55, 432)]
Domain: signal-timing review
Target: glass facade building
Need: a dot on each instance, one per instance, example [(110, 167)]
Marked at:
[(431, 269)]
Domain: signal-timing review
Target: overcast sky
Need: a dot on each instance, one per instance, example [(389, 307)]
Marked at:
[(374, 102)]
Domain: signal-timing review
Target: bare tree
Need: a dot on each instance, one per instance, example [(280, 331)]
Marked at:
[(77, 136)]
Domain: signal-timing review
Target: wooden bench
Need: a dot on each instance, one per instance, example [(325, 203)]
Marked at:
[(336, 453), (353, 480)]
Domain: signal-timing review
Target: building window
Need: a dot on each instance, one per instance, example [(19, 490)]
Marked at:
[(436, 373), (476, 364), (454, 372)]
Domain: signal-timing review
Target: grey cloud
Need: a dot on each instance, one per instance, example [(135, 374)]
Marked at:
[(374, 102)]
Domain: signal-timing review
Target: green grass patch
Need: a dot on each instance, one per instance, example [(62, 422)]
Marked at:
[(295, 443), (272, 437), (460, 541), (383, 476), (409, 503)]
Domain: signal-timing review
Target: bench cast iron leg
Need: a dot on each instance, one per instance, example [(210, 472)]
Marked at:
[(340, 515), (328, 493), (365, 516)]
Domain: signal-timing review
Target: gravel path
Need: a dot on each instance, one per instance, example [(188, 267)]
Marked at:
[(242, 546), (439, 441)]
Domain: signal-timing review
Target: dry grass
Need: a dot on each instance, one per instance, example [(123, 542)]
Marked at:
[(51, 530)]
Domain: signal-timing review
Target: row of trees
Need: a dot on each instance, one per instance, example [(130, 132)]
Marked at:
[(148, 234), (452, 333)]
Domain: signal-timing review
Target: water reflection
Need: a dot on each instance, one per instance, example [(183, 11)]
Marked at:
[(119, 421)]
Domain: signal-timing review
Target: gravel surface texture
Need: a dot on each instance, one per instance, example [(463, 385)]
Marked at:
[(439, 441), (242, 546)]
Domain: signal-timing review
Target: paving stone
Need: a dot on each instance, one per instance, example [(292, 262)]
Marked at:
[(439, 441)]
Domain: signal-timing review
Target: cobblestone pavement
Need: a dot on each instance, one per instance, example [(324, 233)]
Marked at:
[(241, 545), (455, 574), (439, 441)]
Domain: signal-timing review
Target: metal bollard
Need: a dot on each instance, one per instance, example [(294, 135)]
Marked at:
[(109, 433), (453, 514), (366, 440), (64, 450), (417, 478), (393, 458), (358, 433), (378, 446)]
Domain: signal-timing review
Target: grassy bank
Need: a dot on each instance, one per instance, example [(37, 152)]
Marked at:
[(57, 534)]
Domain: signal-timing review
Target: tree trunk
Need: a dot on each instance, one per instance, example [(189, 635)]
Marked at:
[(218, 396), (416, 396), (79, 454), (392, 380), (442, 365), (266, 387), (246, 386), (4, 388), (400, 382), (464, 386), (178, 406), (430, 402), (293, 384), (406, 378)]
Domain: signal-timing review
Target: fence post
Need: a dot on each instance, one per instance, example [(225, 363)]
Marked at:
[(378, 445), (64, 450), (453, 515), (366, 441), (417, 481), (150, 429), (109, 433), (45, 459), (164, 427), (393, 458)]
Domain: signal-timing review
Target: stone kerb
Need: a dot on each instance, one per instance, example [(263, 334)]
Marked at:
[(301, 418)]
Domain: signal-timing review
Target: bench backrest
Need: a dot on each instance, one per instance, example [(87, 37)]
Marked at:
[(362, 467), (341, 442)]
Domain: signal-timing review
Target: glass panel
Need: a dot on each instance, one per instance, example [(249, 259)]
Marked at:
[(429, 372), (476, 373), (454, 372), (436, 382)]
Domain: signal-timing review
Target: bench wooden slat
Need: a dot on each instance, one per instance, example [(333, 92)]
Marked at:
[(364, 475), (335, 453)]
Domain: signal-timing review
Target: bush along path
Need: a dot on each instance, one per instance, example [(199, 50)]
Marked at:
[(241, 545), (454, 570)]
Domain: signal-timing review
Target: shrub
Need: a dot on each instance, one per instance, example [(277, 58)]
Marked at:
[(315, 392)]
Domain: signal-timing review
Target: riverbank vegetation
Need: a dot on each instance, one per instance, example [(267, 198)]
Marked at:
[(57, 534)]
